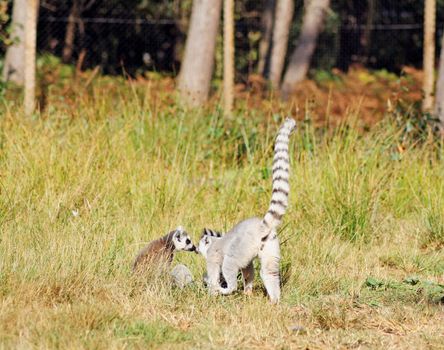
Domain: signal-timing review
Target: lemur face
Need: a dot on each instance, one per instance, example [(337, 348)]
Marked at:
[(208, 237), (204, 244), (182, 240)]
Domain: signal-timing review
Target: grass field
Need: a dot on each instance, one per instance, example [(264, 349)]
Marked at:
[(83, 188)]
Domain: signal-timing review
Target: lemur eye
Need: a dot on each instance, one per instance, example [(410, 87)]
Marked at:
[(188, 241)]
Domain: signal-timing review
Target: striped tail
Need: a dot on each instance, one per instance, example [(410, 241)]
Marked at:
[(281, 168), (211, 233)]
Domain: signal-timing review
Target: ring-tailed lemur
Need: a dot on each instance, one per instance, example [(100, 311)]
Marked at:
[(207, 238), (162, 249), (255, 236)]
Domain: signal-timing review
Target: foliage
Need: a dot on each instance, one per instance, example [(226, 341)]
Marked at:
[(131, 164), (4, 21), (415, 125), (411, 287), (5, 40), (141, 35)]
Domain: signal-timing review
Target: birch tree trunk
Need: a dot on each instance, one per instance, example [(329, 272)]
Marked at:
[(265, 42), (228, 56), (281, 30), (30, 53), (197, 66), (14, 66), (429, 53), (439, 97), (299, 64)]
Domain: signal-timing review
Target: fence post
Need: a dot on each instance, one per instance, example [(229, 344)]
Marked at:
[(228, 57), (429, 53), (439, 94), (30, 48)]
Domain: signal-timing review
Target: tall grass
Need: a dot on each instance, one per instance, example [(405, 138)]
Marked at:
[(83, 189)]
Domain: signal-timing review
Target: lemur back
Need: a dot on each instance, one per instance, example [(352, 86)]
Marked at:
[(162, 249), (255, 236)]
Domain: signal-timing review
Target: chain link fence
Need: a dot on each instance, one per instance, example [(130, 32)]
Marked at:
[(119, 39)]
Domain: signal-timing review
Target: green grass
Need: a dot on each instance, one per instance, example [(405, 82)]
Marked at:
[(362, 220)]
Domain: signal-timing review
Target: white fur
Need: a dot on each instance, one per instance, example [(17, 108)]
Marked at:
[(254, 237), (236, 251), (182, 241), (204, 245)]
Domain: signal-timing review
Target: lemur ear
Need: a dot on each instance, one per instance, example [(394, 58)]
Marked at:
[(180, 229), (177, 235)]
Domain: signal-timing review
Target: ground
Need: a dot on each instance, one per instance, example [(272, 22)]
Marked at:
[(107, 168)]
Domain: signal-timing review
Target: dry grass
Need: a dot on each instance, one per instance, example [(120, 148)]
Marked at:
[(83, 189)]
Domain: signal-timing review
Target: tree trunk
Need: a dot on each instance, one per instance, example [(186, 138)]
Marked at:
[(82, 53), (439, 103), (30, 53), (182, 19), (13, 69), (228, 56), (366, 35), (429, 53), (282, 23), (299, 64), (70, 33), (265, 42), (197, 66)]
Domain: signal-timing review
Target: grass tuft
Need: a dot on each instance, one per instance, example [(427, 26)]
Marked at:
[(83, 189)]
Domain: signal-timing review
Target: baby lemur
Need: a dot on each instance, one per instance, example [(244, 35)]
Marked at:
[(254, 237), (163, 249), (206, 239)]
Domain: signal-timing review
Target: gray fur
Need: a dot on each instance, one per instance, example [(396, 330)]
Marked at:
[(254, 237), (181, 276), (162, 250), (211, 233)]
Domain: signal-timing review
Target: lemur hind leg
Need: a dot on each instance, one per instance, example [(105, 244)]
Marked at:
[(270, 257), (230, 270), (248, 278)]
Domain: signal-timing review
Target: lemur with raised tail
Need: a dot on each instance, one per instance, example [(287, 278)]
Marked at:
[(162, 249), (254, 237)]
